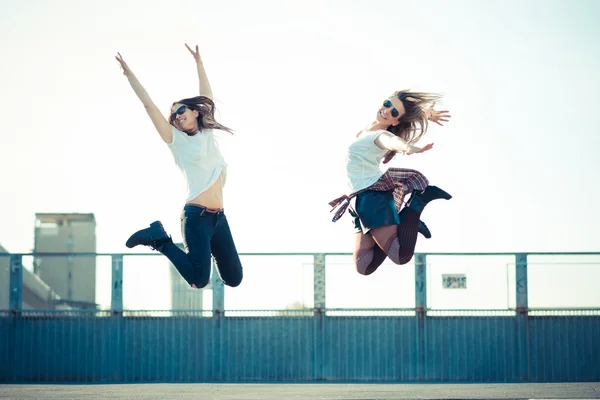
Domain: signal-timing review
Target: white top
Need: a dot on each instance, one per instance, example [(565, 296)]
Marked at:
[(363, 161), (199, 160)]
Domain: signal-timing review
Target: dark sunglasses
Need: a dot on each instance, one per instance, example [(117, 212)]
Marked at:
[(388, 104), (179, 111)]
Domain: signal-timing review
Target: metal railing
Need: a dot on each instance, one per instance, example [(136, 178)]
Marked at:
[(413, 340), (516, 265)]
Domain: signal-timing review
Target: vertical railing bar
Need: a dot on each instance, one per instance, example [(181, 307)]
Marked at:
[(16, 283), (522, 307), (320, 304), (420, 309), (116, 304)]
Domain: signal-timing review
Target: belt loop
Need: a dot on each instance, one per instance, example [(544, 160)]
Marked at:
[(203, 209)]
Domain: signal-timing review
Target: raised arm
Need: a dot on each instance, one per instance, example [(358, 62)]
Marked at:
[(392, 142), (437, 116), (160, 123), (205, 89)]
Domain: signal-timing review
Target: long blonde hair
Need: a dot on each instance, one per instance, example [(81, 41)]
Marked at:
[(414, 122), (206, 113)]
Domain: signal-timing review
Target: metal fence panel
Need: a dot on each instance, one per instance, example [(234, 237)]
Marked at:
[(176, 335), (474, 349), (62, 347), (489, 282), (273, 283), (564, 284), (172, 349), (369, 349), (391, 286), (186, 347), (267, 349), (7, 332), (564, 348)]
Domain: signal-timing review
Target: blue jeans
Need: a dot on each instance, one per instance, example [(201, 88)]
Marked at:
[(205, 233)]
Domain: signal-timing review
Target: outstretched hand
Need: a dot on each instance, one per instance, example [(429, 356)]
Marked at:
[(438, 116), (124, 66), (387, 157), (414, 149), (195, 54)]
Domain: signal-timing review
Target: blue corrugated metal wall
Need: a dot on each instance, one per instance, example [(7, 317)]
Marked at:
[(90, 348)]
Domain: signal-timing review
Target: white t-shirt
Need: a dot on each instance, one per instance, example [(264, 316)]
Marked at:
[(363, 161), (199, 159)]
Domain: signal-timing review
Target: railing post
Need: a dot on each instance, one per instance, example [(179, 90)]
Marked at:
[(218, 313), (421, 310), (218, 292), (319, 281), (522, 314), (16, 282), (421, 283), (116, 301), (320, 304), (521, 281)]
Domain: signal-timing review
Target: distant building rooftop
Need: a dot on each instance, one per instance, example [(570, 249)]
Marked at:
[(36, 292), (55, 217)]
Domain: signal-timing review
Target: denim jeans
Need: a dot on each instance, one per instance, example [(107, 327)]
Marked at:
[(205, 233)]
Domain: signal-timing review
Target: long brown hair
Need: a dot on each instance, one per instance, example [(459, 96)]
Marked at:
[(413, 123), (206, 113)]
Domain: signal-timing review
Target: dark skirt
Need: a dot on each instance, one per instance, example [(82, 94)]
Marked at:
[(372, 209)]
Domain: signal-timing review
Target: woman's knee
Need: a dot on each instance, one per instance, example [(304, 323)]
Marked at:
[(400, 261), (362, 262), (398, 255), (230, 270), (368, 270), (200, 283), (233, 279), (233, 282), (201, 276)]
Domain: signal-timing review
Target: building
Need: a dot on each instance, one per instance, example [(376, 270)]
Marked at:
[(73, 278), (36, 293)]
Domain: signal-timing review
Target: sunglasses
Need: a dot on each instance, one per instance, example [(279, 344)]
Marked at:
[(179, 111), (388, 104)]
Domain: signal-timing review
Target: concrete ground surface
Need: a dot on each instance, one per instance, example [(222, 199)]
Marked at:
[(284, 391)]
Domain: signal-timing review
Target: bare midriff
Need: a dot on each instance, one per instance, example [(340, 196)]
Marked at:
[(212, 197)]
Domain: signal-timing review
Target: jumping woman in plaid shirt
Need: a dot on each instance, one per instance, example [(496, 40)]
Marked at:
[(189, 134), (383, 227)]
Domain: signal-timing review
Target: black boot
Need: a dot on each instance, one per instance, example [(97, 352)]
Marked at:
[(424, 230), (433, 193), (418, 200), (416, 203), (155, 237)]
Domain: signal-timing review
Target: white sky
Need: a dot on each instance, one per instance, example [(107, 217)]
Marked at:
[(297, 80)]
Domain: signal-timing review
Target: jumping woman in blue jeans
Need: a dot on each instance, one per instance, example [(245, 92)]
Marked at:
[(189, 134)]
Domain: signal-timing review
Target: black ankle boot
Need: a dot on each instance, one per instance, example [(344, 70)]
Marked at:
[(418, 200), (416, 203), (424, 230), (433, 193), (155, 237)]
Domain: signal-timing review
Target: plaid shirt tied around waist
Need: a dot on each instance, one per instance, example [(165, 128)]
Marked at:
[(401, 181)]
